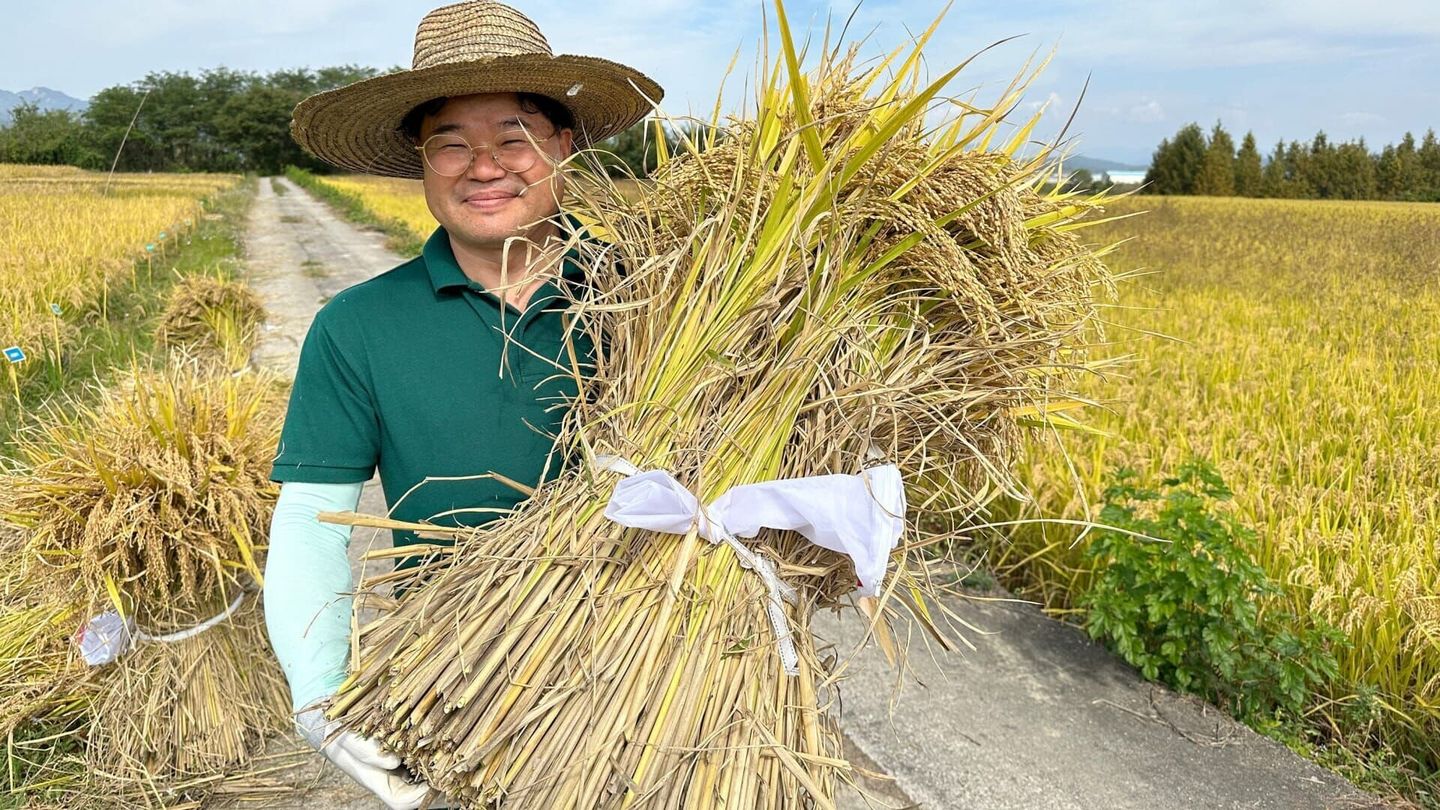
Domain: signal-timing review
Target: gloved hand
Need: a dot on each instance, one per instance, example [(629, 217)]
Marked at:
[(374, 768)]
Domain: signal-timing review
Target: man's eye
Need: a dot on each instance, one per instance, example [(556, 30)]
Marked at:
[(452, 147)]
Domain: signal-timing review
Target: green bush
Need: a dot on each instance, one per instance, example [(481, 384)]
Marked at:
[(1196, 612)]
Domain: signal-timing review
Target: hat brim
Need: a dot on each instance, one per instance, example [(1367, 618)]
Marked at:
[(357, 127)]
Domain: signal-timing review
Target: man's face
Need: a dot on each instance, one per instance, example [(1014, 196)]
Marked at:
[(487, 203)]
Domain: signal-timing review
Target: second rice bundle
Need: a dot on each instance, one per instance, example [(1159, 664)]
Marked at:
[(828, 285), (147, 511)]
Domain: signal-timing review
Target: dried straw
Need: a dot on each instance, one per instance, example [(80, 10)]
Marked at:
[(154, 501), (191, 709), (156, 497), (213, 319), (827, 278)]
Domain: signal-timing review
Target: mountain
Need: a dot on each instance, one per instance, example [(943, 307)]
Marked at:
[(44, 97), (1096, 166)]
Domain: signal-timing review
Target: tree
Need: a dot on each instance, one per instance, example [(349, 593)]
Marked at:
[(1176, 164), (1352, 172), (1272, 179), (41, 136), (1247, 168), (1318, 170), (1398, 172), (1217, 167), (1427, 157), (1300, 180)]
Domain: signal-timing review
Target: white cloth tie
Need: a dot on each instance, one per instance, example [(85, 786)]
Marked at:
[(861, 516)]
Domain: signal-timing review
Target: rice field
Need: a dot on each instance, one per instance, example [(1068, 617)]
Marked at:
[(1302, 356), (69, 236)]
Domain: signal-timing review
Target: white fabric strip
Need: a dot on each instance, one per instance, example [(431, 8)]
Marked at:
[(108, 636), (861, 516), (190, 632)]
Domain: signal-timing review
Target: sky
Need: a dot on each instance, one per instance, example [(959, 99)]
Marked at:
[(1280, 68)]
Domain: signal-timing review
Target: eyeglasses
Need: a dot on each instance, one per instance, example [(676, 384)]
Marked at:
[(450, 155)]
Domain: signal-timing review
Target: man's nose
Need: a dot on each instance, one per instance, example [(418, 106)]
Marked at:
[(484, 167)]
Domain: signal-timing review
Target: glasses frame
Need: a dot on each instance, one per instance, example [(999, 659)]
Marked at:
[(489, 147)]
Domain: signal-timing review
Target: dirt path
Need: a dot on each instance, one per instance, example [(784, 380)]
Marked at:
[(1037, 717), (298, 255)]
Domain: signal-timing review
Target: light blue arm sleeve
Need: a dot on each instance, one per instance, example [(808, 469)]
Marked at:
[(308, 586)]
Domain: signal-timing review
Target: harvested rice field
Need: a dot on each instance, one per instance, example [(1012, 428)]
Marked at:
[(71, 237), (132, 494)]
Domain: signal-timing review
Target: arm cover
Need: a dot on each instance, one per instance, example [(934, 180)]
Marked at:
[(308, 586)]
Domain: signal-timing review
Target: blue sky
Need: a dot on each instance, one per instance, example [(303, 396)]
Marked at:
[(1284, 68)]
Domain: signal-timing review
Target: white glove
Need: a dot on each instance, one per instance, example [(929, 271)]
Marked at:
[(374, 768)]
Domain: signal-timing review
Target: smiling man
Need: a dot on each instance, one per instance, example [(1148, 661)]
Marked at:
[(443, 369)]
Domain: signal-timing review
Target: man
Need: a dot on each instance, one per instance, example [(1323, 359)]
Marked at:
[(444, 368)]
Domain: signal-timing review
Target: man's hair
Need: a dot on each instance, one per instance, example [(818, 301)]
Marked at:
[(556, 113)]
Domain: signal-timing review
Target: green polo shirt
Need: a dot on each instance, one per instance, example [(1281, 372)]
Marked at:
[(426, 374)]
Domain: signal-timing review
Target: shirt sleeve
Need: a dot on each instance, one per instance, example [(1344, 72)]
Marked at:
[(307, 588), (332, 430)]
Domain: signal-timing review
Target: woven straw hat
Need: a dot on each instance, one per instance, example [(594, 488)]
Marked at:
[(464, 48)]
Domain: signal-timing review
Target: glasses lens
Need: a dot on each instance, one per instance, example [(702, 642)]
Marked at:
[(448, 155), (516, 150)]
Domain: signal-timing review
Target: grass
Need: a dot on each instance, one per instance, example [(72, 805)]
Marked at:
[(135, 304)]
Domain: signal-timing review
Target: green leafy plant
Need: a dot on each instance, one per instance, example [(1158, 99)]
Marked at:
[(1193, 610)]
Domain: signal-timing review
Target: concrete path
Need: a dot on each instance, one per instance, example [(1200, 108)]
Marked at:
[(1039, 717)]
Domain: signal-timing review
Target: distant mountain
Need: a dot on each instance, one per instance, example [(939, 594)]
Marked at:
[(46, 98), (1096, 166)]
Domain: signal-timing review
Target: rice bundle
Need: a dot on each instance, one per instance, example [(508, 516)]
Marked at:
[(212, 318), (826, 283), (154, 503)]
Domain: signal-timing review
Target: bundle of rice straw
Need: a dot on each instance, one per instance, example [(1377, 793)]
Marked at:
[(212, 318), (827, 280), (154, 503)]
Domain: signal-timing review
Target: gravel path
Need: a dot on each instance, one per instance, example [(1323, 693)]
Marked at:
[(1037, 717)]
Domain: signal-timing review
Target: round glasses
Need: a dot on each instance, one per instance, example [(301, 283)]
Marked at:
[(450, 155)]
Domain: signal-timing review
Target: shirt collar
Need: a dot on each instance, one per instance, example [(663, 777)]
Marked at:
[(445, 272)]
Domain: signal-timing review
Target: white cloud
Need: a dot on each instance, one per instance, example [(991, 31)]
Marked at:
[(1361, 119), (1147, 111), (1051, 103)]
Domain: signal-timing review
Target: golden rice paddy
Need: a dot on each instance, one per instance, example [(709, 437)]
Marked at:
[(69, 235), (1301, 357)]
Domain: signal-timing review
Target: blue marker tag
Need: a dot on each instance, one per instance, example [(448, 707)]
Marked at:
[(14, 354), (55, 308), (162, 234), (149, 248)]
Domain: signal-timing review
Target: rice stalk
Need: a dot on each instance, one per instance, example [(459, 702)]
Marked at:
[(156, 498), (169, 713)]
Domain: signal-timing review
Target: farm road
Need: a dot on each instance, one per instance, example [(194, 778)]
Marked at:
[(1037, 716)]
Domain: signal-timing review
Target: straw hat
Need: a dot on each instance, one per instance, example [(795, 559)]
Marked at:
[(464, 48)]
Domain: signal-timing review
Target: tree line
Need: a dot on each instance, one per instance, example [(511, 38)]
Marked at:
[(219, 121), (1192, 163)]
